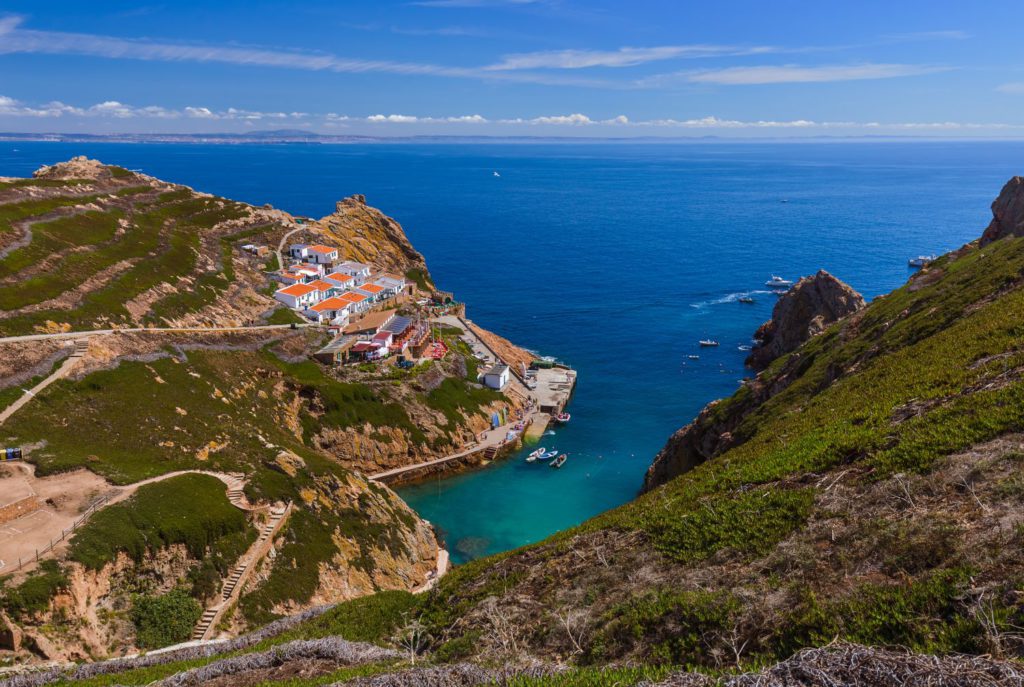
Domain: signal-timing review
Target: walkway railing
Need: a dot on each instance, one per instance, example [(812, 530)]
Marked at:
[(64, 533)]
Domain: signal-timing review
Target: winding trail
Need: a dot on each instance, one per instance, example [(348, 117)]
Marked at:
[(134, 330), (63, 371), (45, 529), (280, 245)]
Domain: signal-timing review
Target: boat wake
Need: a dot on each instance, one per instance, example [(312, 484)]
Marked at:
[(728, 298)]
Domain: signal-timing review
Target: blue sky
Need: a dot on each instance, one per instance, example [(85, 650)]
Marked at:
[(515, 67)]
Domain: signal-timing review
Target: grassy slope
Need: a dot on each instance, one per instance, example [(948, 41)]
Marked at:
[(166, 230), (930, 370)]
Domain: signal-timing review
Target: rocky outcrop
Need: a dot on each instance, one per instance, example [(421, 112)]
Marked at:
[(1007, 213), (807, 309), (804, 311), (366, 234)]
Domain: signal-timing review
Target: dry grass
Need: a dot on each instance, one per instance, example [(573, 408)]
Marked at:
[(842, 665)]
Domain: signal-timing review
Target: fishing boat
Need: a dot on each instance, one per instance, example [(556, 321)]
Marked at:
[(921, 260), (745, 299), (559, 461), (563, 418), (534, 455), (693, 357), (708, 343), (777, 282)]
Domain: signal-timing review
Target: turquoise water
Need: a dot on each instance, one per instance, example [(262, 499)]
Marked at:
[(616, 259)]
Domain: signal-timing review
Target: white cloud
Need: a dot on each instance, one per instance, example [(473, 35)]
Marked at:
[(623, 57), (1013, 88), (741, 76), (200, 113)]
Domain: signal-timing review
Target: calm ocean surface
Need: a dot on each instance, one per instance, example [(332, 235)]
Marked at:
[(616, 259)]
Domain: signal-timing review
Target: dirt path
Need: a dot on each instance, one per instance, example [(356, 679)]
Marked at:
[(135, 330), (63, 371), (64, 498), (493, 439), (280, 245)]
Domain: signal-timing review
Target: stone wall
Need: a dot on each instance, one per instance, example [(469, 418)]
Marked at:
[(19, 508)]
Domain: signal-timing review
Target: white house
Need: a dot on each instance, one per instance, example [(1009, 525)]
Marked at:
[(299, 251), (384, 338), (321, 255), (392, 283), (290, 277), (298, 296), (307, 269), (331, 310), (325, 288), (357, 270), (497, 376), (373, 292), (341, 280), (360, 303)]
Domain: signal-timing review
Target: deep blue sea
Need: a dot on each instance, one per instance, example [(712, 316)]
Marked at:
[(614, 258)]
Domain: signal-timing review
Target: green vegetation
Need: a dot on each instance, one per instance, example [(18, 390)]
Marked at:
[(455, 397), (34, 594), (594, 677), (165, 619), (369, 619), (160, 243), (421, 279), (154, 518), (925, 615), (284, 316), (346, 404)]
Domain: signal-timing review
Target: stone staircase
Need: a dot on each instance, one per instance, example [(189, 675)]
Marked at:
[(81, 348), (240, 573), (236, 493), (490, 452)]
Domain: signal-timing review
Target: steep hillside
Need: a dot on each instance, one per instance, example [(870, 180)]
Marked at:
[(869, 491), (194, 442), (86, 245)]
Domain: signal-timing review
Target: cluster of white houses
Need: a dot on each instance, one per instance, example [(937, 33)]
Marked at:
[(331, 292)]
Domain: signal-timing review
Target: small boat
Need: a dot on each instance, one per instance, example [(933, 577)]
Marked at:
[(921, 260), (535, 455), (693, 357), (744, 347), (784, 200), (708, 343), (777, 282), (496, 174), (548, 456), (745, 299), (559, 461), (563, 417)]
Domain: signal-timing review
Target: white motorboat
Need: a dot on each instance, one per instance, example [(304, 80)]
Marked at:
[(777, 282), (921, 260), (534, 455), (708, 343)]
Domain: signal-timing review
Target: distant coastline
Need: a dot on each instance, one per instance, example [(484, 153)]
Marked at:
[(298, 137)]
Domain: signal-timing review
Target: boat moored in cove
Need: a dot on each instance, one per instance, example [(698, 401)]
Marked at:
[(562, 418), (559, 461), (745, 299), (548, 456), (534, 455)]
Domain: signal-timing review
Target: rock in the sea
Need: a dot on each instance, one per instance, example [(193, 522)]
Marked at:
[(805, 310), (1007, 213)]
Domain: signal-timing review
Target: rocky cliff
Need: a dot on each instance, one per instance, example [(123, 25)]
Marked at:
[(1007, 212), (366, 234), (805, 310)]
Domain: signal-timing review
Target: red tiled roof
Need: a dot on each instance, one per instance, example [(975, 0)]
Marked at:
[(297, 290), (372, 288), (322, 249)]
